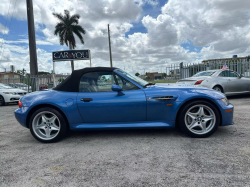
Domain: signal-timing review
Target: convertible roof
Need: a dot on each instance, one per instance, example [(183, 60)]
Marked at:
[(71, 84)]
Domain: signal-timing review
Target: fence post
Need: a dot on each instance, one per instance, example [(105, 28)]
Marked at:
[(181, 70)]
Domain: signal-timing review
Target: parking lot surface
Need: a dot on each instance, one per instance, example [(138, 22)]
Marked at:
[(159, 157)]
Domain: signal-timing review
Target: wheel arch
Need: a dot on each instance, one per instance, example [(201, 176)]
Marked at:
[(32, 110), (223, 90), (196, 99)]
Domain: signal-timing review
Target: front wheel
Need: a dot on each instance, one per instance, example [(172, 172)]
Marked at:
[(218, 88), (199, 119), (47, 125), (2, 101)]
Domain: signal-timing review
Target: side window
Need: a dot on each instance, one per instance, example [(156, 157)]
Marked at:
[(126, 85), (96, 82), (232, 74), (224, 74)]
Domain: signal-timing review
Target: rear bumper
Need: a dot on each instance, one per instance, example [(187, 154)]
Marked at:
[(21, 115)]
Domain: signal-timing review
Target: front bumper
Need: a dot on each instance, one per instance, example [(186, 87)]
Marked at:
[(9, 98), (226, 113), (21, 115)]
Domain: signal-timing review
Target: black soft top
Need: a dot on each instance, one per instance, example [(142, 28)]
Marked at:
[(71, 83)]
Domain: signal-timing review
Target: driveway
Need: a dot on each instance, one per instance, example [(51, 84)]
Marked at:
[(161, 157)]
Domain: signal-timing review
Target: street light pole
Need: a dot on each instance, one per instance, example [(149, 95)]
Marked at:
[(32, 41), (110, 54)]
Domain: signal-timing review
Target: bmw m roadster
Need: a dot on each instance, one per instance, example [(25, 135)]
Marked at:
[(106, 98)]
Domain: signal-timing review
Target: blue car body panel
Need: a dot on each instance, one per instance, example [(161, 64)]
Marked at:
[(135, 109), (110, 107)]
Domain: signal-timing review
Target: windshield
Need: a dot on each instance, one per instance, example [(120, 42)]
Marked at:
[(133, 77), (204, 73), (2, 86)]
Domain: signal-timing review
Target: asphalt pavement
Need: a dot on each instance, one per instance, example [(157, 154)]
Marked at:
[(159, 157)]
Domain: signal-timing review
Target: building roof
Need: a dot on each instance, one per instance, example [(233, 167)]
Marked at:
[(224, 59)]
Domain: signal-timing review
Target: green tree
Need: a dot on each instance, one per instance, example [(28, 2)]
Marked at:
[(164, 75), (137, 74), (22, 72), (66, 28)]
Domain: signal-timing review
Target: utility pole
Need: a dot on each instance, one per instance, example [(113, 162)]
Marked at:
[(32, 41), (110, 54)]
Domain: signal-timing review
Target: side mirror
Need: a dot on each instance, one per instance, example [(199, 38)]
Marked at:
[(118, 89)]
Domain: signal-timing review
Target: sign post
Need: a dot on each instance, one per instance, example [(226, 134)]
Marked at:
[(69, 55)]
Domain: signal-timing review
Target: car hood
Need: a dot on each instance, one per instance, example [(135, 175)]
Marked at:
[(182, 91)]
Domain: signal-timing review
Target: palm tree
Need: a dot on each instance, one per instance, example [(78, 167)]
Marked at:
[(66, 28)]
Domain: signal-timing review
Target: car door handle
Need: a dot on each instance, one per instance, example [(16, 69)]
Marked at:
[(86, 99)]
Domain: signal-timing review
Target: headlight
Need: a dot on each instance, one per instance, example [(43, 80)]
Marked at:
[(12, 93), (225, 101)]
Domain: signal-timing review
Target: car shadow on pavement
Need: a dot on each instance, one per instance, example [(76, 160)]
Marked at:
[(239, 96), (127, 133)]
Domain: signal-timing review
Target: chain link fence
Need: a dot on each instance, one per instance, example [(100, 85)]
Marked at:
[(180, 71), (34, 83)]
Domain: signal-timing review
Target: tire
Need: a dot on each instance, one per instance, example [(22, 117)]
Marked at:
[(48, 125), (218, 88), (199, 119), (2, 101)]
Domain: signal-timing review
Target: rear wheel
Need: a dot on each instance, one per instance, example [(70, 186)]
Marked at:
[(199, 119), (218, 88), (2, 101), (47, 125)]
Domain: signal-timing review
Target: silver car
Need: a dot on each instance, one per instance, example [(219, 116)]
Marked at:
[(226, 81)]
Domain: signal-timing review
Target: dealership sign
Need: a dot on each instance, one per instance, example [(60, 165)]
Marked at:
[(71, 55)]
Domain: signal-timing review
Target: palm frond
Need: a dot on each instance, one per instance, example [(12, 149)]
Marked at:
[(79, 35), (59, 16), (79, 28), (74, 19)]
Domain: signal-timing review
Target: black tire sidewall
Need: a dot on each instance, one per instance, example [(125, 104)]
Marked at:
[(2, 103), (63, 124), (181, 118)]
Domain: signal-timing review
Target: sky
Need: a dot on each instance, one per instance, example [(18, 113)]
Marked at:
[(146, 35)]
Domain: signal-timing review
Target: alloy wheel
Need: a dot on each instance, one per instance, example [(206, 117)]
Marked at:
[(46, 125), (200, 119)]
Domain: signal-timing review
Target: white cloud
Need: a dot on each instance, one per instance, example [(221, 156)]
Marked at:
[(220, 27), (3, 29)]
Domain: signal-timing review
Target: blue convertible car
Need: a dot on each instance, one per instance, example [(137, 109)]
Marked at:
[(102, 98)]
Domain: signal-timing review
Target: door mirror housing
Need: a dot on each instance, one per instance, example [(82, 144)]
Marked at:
[(118, 89)]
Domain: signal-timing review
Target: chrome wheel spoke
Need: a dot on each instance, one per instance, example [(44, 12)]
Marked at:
[(193, 125), (192, 115), (201, 111), (55, 128)]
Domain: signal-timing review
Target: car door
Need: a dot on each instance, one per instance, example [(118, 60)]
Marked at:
[(235, 83), (97, 102)]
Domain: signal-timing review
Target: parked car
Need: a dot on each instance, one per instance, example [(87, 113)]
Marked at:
[(23, 86), (79, 103), (9, 94), (43, 86), (226, 81)]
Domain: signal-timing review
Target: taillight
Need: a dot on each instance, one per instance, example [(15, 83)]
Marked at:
[(198, 82), (20, 104)]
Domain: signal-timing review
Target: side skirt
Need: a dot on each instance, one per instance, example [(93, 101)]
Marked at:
[(124, 125)]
